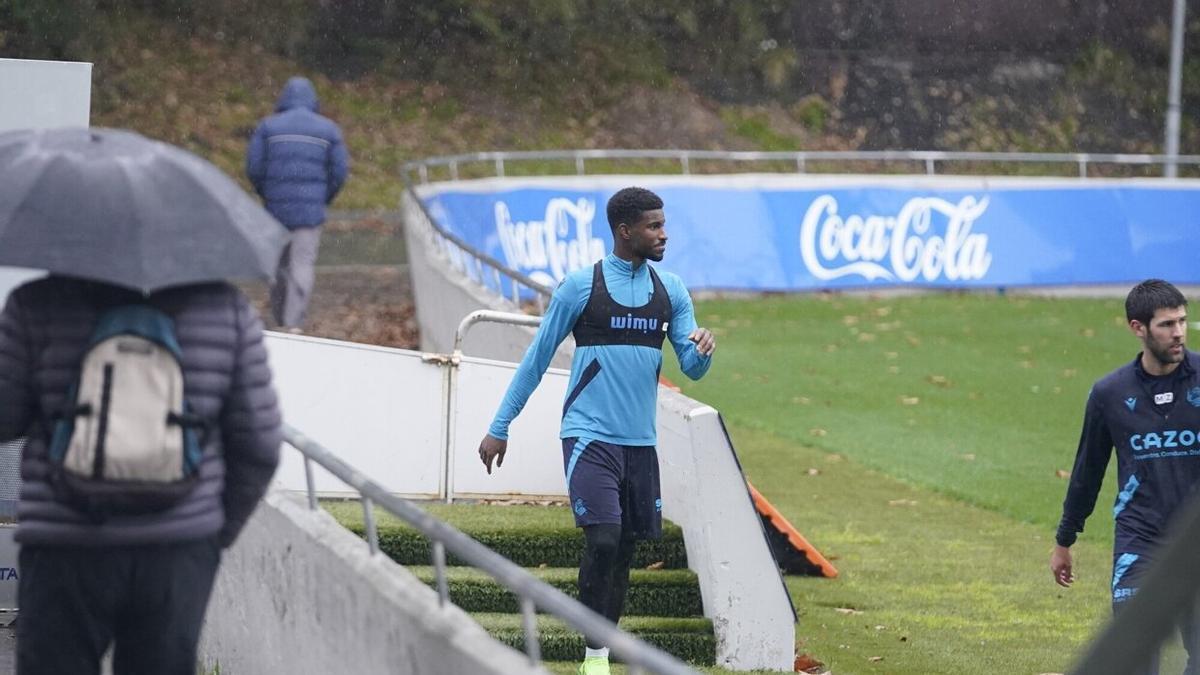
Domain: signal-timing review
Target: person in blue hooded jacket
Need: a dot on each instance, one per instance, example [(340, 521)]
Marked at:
[(620, 311), (298, 163)]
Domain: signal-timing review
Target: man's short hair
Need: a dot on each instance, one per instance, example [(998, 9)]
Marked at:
[(1150, 296), (628, 205)]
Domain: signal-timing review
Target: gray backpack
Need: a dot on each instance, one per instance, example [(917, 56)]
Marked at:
[(127, 442)]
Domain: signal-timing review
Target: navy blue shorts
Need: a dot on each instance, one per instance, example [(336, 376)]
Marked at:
[(615, 485)]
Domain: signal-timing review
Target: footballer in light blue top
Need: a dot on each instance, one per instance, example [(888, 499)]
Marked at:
[(621, 311)]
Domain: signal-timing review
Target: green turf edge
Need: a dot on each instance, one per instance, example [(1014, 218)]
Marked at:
[(539, 542), (651, 592), (690, 640)]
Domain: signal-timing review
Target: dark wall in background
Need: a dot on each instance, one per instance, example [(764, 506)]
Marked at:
[(951, 26)]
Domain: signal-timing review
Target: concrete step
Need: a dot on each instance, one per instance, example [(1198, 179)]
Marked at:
[(689, 639), (530, 537), (660, 592)]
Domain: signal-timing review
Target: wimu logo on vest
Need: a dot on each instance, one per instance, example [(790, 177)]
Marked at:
[(635, 323), (902, 247), (548, 249)]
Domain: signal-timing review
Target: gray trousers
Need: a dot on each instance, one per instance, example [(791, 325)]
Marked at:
[(294, 278)]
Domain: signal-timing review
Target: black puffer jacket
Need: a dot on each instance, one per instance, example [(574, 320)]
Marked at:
[(43, 333)]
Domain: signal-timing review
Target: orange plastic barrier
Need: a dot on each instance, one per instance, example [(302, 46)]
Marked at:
[(792, 551)]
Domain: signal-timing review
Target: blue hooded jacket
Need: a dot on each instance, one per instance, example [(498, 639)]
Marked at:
[(296, 158)]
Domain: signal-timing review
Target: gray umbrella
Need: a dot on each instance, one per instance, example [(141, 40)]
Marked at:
[(111, 205)]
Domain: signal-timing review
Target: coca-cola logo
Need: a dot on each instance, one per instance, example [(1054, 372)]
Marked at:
[(548, 249), (930, 238)]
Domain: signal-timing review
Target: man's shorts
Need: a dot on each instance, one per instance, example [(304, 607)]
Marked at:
[(615, 485)]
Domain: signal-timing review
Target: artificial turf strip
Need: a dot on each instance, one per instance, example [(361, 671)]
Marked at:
[(651, 592), (530, 537), (689, 640)]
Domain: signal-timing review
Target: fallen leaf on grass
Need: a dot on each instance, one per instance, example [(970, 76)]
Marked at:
[(807, 664), (938, 380), (875, 659)]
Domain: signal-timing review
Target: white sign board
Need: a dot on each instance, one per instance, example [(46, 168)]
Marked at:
[(44, 94), (41, 95)]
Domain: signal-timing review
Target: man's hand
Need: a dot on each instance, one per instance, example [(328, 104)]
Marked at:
[(1060, 565), (706, 344), (492, 448)]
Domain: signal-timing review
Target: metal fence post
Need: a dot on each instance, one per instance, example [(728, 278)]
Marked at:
[(439, 567), (308, 478), (369, 521), (533, 646)]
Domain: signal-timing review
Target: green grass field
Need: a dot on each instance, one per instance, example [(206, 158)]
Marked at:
[(923, 443)]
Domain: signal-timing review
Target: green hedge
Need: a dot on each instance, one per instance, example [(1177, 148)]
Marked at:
[(651, 592), (534, 547), (690, 640)]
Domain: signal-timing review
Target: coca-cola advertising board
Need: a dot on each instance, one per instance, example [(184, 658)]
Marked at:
[(783, 233)]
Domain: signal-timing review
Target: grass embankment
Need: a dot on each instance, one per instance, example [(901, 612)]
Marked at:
[(922, 443)]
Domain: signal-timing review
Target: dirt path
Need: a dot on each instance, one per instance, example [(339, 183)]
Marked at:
[(372, 304)]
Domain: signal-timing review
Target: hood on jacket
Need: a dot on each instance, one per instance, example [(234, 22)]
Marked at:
[(297, 93)]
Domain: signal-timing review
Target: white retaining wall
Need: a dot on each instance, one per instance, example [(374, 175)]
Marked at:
[(299, 594)]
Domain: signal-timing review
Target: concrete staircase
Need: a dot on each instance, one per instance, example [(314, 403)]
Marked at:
[(663, 606)]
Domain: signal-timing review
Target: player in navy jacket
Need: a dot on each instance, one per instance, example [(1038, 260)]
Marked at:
[(1149, 410)]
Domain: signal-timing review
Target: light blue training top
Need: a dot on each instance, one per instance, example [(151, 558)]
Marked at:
[(618, 405)]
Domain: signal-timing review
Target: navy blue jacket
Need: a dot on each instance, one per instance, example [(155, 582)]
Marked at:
[(1154, 424), (296, 158)]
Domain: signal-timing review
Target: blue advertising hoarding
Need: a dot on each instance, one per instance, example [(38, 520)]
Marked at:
[(783, 233)]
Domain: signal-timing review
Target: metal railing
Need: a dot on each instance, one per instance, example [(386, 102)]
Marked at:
[(532, 592), (799, 161), (498, 278), (477, 266)]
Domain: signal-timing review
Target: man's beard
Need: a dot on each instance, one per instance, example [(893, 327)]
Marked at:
[(1164, 355)]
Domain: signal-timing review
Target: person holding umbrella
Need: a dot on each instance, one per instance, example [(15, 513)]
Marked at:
[(298, 163), (122, 222)]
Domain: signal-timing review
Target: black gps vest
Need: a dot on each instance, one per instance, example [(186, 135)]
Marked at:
[(605, 322)]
